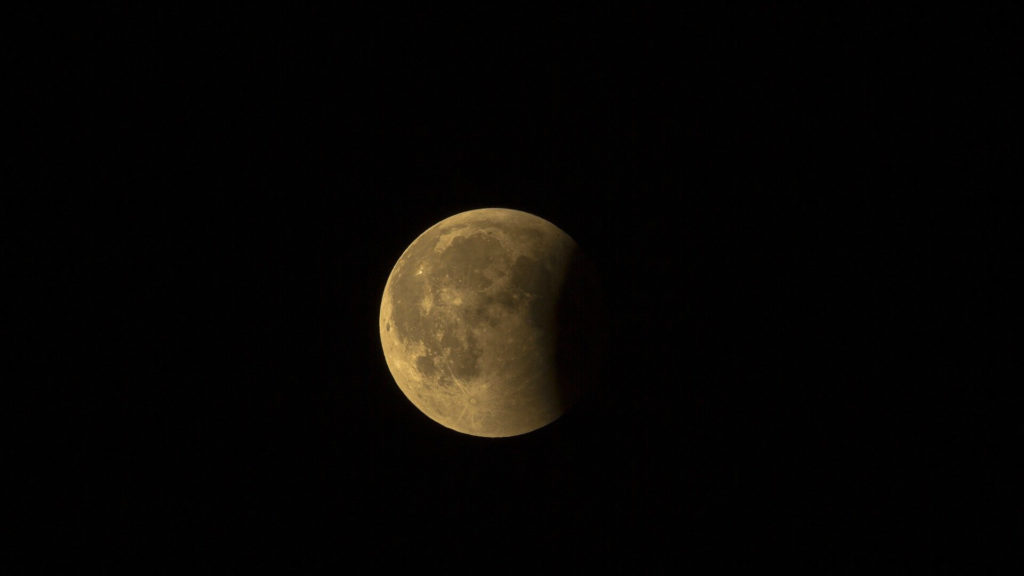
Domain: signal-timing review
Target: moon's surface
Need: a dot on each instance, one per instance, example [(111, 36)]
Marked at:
[(480, 322)]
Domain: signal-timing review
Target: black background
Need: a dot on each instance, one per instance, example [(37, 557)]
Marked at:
[(802, 217)]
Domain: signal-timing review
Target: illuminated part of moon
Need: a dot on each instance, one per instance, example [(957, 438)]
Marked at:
[(478, 325)]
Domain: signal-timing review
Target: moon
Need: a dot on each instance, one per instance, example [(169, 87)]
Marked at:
[(484, 322)]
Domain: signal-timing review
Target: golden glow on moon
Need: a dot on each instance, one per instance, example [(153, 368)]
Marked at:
[(469, 322)]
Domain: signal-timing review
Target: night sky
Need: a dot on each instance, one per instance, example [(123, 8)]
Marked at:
[(797, 214)]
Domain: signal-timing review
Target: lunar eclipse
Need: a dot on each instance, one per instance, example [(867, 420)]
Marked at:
[(488, 322)]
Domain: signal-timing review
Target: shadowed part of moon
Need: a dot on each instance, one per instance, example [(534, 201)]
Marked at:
[(581, 332)]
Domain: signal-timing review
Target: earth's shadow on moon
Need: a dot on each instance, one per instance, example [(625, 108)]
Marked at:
[(581, 335)]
